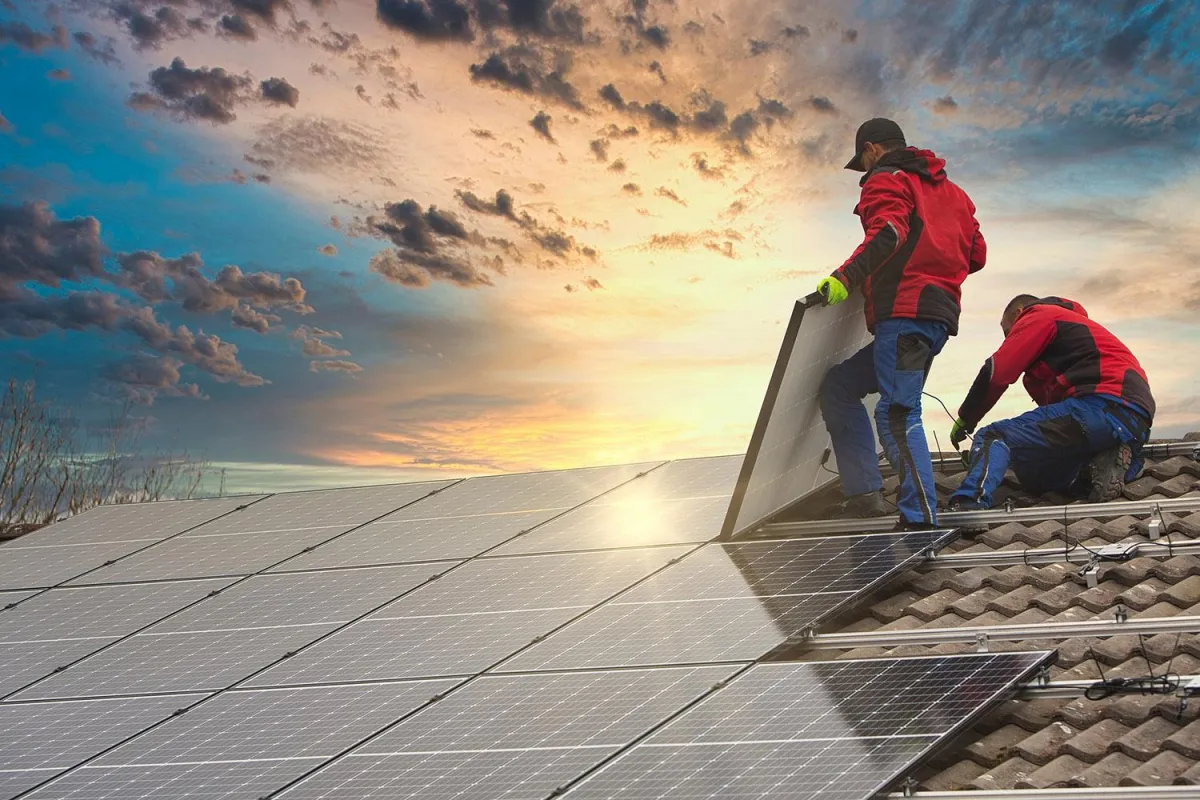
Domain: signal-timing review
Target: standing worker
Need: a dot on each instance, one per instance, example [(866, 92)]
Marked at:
[(1094, 407), (922, 240)]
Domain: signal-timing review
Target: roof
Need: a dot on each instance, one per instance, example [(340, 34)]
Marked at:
[(1128, 740)]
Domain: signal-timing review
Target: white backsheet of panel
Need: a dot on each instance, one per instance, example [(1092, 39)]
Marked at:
[(783, 463)]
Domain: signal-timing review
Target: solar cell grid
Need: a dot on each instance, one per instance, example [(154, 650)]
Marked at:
[(523, 492), (727, 600), (175, 662), (26, 662), (631, 523), (196, 781), (99, 611), (133, 522), (299, 598), (343, 508), (389, 542), (683, 479), (43, 567), (318, 721), (841, 730), (211, 556), (529, 582), (42, 739), (518, 736), (415, 647)]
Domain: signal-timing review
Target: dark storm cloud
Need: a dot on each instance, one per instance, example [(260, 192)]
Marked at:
[(796, 32), (155, 279), (656, 35), (427, 19), (549, 240), (244, 316), (610, 95), (821, 104), (203, 351), (706, 168), (430, 245), (524, 70), (657, 69), (501, 206), (541, 124), (633, 189), (29, 316), (599, 148), (543, 18), (150, 31), (265, 10), (711, 118), (772, 109), (618, 166), (592, 284), (235, 26), (198, 94), (758, 47), (616, 132), (417, 270), (720, 242), (38, 247), (659, 115), (102, 51), (850, 35), (280, 92), (144, 377), (945, 105), (27, 38)]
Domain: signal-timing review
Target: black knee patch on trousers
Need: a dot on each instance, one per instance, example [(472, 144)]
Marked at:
[(1063, 432), (913, 353)]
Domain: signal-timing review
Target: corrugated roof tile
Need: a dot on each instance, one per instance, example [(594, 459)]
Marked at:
[(1162, 770), (954, 777), (1045, 745), (892, 608), (1058, 599), (975, 603), (1105, 772), (1143, 595), (1094, 743), (1185, 593), (1014, 602), (997, 747), (1006, 776), (1177, 568), (1100, 598), (935, 605), (1055, 775), (1186, 741), (1146, 740)]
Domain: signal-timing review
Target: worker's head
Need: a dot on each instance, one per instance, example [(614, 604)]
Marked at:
[(875, 137), (1014, 309)]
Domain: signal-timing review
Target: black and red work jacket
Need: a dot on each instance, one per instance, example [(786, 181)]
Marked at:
[(922, 240), (1063, 353)]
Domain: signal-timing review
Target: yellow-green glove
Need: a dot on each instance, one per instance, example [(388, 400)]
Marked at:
[(833, 290), (958, 433)]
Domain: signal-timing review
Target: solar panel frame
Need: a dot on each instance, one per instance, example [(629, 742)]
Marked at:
[(783, 464), (719, 748)]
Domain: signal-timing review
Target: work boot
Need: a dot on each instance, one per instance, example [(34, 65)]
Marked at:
[(864, 506), (904, 526), (962, 504), (1107, 471)]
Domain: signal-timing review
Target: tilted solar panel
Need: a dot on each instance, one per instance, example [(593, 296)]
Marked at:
[(841, 730), (784, 461)]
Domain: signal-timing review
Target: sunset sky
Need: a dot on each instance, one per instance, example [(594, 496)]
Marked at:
[(343, 241)]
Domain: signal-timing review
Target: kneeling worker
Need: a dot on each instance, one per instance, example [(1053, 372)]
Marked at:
[(1094, 407)]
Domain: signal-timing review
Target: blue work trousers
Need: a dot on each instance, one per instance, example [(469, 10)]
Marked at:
[(895, 367), (1048, 446)]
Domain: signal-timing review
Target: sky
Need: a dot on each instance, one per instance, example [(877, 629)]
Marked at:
[(334, 242)]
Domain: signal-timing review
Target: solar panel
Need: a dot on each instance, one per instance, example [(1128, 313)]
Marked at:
[(783, 462), (471, 618), (42, 740), (731, 601), (84, 542), (25, 662), (195, 556), (840, 730), (244, 743), (391, 542), (99, 611), (500, 737), (336, 508), (682, 501), (524, 492), (227, 637)]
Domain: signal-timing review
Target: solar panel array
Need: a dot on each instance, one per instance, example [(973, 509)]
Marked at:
[(495, 637), (786, 460)]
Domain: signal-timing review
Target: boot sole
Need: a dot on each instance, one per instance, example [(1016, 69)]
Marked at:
[(1108, 475)]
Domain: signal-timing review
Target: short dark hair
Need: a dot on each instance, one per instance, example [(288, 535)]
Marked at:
[(893, 144), (1020, 301)]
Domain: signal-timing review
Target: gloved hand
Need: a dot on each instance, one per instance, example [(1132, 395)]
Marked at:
[(833, 290), (958, 433)]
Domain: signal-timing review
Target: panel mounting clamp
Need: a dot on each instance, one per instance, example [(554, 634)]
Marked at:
[(1156, 525)]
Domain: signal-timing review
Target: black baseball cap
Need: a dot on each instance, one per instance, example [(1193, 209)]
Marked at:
[(878, 131)]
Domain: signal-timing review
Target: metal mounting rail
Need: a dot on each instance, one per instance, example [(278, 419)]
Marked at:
[(1056, 555), (1170, 449), (981, 635), (1122, 792), (980, 520), (1069, 690)]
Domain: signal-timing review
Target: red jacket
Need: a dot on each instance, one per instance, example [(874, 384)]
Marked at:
[(1063, 353), (922, 240)]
